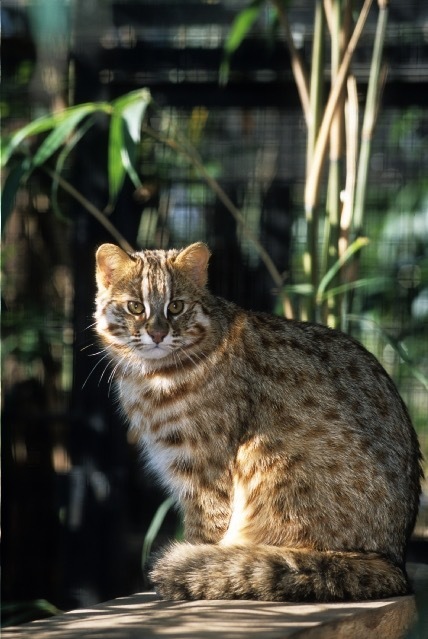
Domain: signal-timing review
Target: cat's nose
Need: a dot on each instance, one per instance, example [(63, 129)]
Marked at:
[(157, 335)]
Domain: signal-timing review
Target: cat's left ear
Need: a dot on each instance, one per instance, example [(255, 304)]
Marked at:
[(193, 260), (110, 260)]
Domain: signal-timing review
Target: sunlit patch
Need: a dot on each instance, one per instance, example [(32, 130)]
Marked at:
[(237, 521)]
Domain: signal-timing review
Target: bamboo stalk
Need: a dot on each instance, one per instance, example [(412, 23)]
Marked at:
[(317, 82), (297, 66), (370, 114), (351, 120), (310, 258), (331, 240), (314, 179)]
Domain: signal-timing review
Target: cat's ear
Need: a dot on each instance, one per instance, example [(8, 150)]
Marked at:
[(193, 260), (110, 259)]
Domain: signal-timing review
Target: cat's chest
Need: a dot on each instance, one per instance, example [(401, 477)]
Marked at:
[(148, 400), (161, 412)]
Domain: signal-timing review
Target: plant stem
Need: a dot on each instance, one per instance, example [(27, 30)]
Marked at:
[(193, 157), (314, 179), (317, 82), (370, 117), (297, 66), (351, 120), (310, 260), (331, 240), (92, 210)]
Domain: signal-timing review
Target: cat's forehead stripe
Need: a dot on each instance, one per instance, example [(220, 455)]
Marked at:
[(156, 280), (145, 287)]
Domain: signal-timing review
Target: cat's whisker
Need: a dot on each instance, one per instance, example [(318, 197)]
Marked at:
[(124, 372), (113, 372), (103, 350), (90, 326), (104, 371), (193, 356), (84, 348), (111, 378), (93, 369)]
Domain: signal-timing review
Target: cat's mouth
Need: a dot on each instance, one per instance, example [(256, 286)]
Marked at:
[(156, 351)]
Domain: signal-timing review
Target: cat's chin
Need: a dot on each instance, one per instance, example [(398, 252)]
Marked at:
[(156, 353)]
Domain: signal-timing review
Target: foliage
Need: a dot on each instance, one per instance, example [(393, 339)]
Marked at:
[(325, 129), (17, 613), (154, 529), (64, 129)]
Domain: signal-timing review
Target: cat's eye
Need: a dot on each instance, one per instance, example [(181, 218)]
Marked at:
[(175, 307), (136, 308)]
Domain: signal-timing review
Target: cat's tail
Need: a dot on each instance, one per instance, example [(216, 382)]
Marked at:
[(268, 573)]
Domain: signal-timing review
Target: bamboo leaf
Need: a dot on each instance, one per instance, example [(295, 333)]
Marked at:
[(239, 30), (367, 282), (397, 345), (133, 108), (125, 133), (62, 157), (335, 268), (40, 125), (128, 159), (298, 289), (61, 132), (43, 124), (154, 528), (139, 96), (116, 169), (22, 612)]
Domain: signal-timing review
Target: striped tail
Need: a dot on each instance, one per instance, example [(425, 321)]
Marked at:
[(269, 573)]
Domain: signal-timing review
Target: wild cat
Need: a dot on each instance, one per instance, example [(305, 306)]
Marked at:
[(285, 444)]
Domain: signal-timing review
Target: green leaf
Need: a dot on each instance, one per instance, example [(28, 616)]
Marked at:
[(239, 30), (21, 612), (128, 159), (141, 96), (133, 107), (397, 345), (75, 137), (375, 283), (45, 123), (333, 270), (154, 528), (40, 125), (125, 134), (298, 289), (116, 147), (242, 24), (61, 132)]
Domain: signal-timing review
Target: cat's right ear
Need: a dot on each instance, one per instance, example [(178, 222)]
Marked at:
[(193, 261), (110, 259)]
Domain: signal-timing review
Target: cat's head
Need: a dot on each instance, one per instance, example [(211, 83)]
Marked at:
[(149, 303)]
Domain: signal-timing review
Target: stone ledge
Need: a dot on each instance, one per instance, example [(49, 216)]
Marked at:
[(145, 616)]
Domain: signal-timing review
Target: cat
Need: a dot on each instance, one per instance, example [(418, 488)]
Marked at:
[(284, 444)]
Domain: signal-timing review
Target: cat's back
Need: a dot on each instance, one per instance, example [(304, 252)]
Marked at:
[(331, 422), (324, 363), (316, 384)]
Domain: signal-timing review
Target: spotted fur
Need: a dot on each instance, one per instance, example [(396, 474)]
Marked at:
[(285, 445)]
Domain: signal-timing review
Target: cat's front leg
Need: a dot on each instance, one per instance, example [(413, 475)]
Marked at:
[(206, 514)]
